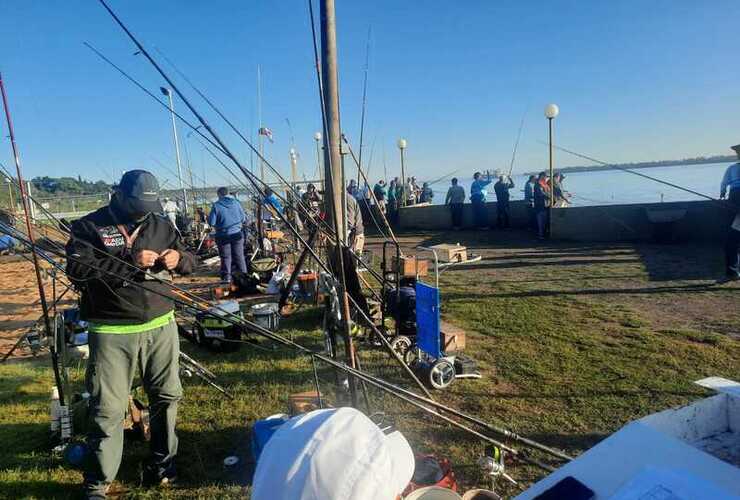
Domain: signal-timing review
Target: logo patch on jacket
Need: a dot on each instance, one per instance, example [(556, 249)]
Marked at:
[(111, 236)]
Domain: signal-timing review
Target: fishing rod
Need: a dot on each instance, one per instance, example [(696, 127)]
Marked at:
[(372, 193), (184, 297), (661, 181), (197, 130), (440, 179), (364, 103), (234, 128), (516, 144), (221, 146), (36, 267), (416, 400)]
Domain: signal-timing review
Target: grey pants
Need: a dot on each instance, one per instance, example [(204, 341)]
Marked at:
[(114, 361)]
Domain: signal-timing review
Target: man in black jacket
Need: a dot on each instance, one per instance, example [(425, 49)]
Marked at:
[(116, 256), (502, 201)]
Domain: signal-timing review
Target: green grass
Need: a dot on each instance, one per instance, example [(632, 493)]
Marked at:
[(564, 369)]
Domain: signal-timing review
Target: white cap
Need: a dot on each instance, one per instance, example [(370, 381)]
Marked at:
[(331, 455)]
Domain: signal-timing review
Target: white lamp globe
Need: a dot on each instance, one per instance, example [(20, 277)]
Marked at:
[(401, 143), (317, 136), (551, 111)]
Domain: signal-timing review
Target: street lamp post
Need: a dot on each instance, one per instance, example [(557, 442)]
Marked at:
[(551, 111), (401, 147), (317, 138), (166, 91)]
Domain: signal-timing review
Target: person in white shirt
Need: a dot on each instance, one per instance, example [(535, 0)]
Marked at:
[(170, 209)]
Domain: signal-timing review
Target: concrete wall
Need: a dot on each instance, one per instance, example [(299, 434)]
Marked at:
[(702, 221), (438, 216), (698, 221)]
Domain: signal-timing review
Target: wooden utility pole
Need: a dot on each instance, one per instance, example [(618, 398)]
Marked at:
[(334, 188), (332, 138)]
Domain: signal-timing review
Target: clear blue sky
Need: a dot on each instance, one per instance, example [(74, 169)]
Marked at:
[(635, 80)]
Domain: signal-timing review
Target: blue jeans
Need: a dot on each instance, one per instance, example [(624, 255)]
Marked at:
[(480, 214), (231, 251)]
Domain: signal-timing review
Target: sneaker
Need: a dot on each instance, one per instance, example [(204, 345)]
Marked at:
[(96, 491), (154, 476)]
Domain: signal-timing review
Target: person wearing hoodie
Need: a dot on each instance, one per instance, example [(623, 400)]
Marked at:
[(227, 218), (119, 257)]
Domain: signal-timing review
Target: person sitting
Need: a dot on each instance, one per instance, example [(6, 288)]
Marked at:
[(227, 218), (501, 189), (426, 193), (455, 199), (478, 195), (333, 454)]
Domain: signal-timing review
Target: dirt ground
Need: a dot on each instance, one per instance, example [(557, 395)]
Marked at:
[(20, 307), (676, 287)]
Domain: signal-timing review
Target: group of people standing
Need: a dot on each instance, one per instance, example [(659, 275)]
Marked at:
[(541, 193)]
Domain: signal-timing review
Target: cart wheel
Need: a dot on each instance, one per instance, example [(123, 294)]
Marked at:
[(441, 374), (401, 345), (411, 357)]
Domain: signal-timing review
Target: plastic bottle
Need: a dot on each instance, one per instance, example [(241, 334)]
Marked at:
[(54, 409)]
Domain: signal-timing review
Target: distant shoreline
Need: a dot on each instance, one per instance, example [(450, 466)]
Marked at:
[(647, 164)]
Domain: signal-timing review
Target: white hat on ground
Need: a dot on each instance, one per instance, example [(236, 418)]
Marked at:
[(333, 454)]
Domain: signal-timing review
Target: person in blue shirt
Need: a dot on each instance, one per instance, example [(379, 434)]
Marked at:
[(731, 182), (273, 201), (227, 218), (478, 194)]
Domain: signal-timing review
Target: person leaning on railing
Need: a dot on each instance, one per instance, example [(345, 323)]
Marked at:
[(731, 183)]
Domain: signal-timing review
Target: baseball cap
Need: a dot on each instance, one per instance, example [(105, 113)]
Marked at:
[(333, 454), (736, 148), (140, 192)]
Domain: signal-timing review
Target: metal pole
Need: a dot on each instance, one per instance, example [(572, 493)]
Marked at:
[(319, 168), (259, 120), (552, 181), (36, 266), (11, 201), (30, 205), (177, 149), (403, 181)]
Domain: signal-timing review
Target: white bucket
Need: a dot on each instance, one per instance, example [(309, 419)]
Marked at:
[(266, 315), (433, 493)]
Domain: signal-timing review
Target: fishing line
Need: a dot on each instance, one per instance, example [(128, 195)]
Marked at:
[(372, 193), (516, 144), (256, 328), (281, 179), (661, 181), (411, 397), (364, 103)]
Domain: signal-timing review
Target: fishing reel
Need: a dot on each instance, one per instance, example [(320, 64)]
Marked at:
[(492, 465)]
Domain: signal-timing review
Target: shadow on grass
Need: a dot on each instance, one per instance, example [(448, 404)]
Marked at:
[(698, 288), (497, 264), (41, 489)]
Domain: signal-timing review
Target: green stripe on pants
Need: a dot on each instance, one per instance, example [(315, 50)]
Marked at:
[(114, 361)]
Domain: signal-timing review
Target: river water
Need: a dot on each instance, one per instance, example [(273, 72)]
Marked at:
[(611, 187)]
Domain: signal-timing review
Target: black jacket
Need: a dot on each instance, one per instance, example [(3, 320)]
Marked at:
[(502, 190), (119, 299)]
